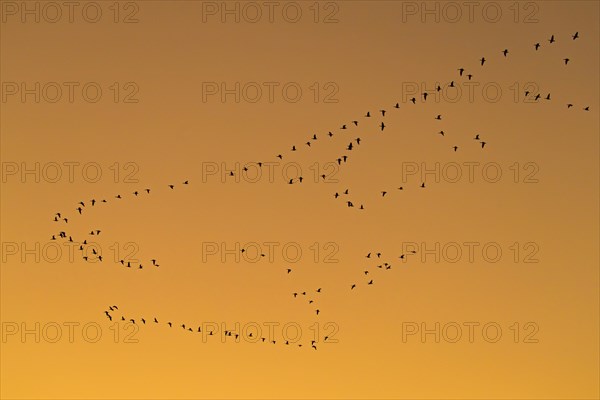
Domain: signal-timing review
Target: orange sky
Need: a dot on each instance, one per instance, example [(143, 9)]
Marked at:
[(505, 269)]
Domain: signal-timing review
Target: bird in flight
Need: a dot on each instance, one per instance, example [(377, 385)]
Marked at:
[(537, 46), (551, 40), (505, 52), (576, 35), (482, 60)]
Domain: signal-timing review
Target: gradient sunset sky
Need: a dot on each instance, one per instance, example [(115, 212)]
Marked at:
[(109, 98)]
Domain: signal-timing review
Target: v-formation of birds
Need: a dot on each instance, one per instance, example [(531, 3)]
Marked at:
[(311, 296)]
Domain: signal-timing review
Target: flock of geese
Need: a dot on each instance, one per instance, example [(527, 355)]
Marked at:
[(369, 276), (380, 125), (112, 314)]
